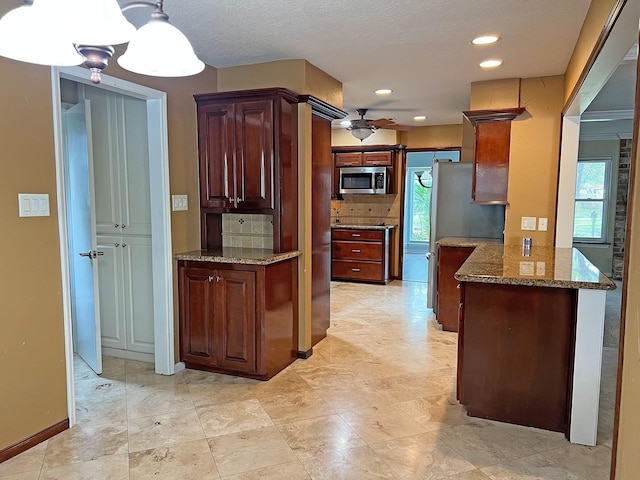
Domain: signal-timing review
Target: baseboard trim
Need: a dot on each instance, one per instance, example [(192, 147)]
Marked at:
[(305, 355), (129, 355), (23, 445)]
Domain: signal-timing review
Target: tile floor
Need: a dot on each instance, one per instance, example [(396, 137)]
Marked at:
[(376, 401)]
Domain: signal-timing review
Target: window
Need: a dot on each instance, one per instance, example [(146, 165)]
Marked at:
[(591, 200), (418, 211)]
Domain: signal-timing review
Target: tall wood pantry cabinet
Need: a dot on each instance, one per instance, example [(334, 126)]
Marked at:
[(123, 220), (247, 145)]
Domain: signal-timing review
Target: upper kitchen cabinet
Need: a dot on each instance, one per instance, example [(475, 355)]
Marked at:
[(247, 144), (492, 141), (365, 156)]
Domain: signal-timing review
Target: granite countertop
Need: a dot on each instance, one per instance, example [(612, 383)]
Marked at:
[(465, 241), (362, 227), (545, 267), (246, 256)]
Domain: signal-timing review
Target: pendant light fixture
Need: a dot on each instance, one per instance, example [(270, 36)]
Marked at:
[(72, 32)]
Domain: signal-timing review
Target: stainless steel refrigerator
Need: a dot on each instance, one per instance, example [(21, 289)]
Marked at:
[(453, 214)]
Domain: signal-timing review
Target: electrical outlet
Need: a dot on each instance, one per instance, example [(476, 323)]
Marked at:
[(526, 268), (528, 223), (180, 202), (542, 224)]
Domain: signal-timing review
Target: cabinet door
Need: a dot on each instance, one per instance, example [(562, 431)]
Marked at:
[(197, 304), (254, 155), (491, 163), (216, 152), (112, 325), (236, 320), (137, 273), (377, 158), (348, 159)]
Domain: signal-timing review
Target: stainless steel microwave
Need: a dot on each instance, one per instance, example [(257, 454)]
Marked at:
[(364, 180)]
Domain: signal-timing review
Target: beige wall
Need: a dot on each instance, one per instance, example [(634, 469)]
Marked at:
[(495, 94), (594, 22), (433, 136), (32, 364)]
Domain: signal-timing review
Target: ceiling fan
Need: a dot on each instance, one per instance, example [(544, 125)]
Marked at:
[(362, 128)]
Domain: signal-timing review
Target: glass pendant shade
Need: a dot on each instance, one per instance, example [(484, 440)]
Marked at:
[(161, 50), (97, 22), (31, 33), (361, 132)]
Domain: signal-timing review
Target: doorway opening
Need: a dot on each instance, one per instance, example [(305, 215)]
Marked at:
[(416, 228), (158, 255)]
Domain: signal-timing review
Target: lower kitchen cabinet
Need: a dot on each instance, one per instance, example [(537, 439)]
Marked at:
[(238, 319), (450, 259), (360, 255), (126, 293)]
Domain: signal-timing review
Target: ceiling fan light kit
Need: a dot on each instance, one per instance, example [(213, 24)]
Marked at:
[(362, 128), (84, 31)]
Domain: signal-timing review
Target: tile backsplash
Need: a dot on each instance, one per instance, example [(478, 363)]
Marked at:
[(366, 210), (245, 230)]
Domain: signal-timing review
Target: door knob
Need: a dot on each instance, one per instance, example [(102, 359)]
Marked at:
[(91, 254)]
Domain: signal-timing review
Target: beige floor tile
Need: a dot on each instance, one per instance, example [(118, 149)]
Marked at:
[(296, 406), (35, 475), (233, 417), (90, 411), (483, 443), (537, 439), (157, 400), (327, 376), (114, 467), (210, 394), (188, 460), (588, 463), (286, 381), (402, 388), (381, 423), (193, 377), (28, 461), (472, 475), (146, 378), (318, 435), (351, 396), (288, 471), (250, 450), (528, 468), (360, 463), (86, 442), (112, 366), (435, 413), (422, 457), (100, 388), (162, 430), (134, 366)]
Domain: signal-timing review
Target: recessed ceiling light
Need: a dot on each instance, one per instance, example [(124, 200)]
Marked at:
[(419, 118), (491, 63), (485, 39), (384, 91)]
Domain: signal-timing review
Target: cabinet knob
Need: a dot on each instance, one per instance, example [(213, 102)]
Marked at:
[(124, 245), (117, 225), (238, 199), (117, 244), (124, 226), (210, 279), (218, 278)]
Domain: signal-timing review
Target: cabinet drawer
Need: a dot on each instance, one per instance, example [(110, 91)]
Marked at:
[(357, 250), (358, 235), (353, 269), (377, 158)]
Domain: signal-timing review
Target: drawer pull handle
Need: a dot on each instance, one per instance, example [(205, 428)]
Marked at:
[(355, 234), (355, 269), (355, 251)]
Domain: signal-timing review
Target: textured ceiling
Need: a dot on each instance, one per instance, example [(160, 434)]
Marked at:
[(418, 48)]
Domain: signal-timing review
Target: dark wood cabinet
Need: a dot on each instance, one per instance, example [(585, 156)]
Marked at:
[(360, 255), (492, 141), (450, 259), (515, 353), (238, 319), (247, 145)]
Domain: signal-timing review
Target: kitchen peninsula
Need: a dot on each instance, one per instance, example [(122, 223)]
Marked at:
[(530, 338)]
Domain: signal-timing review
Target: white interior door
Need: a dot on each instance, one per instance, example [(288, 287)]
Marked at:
[(82, 235)]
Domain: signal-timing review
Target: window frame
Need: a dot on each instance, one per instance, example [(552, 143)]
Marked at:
[(411, 189), (605, 200)]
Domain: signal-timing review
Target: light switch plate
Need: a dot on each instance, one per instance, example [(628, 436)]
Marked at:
[(33, 205), (180, 202), (542, 224), (528, 223)]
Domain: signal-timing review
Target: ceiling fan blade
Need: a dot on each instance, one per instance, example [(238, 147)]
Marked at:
[(380, 122), (401, 128)]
